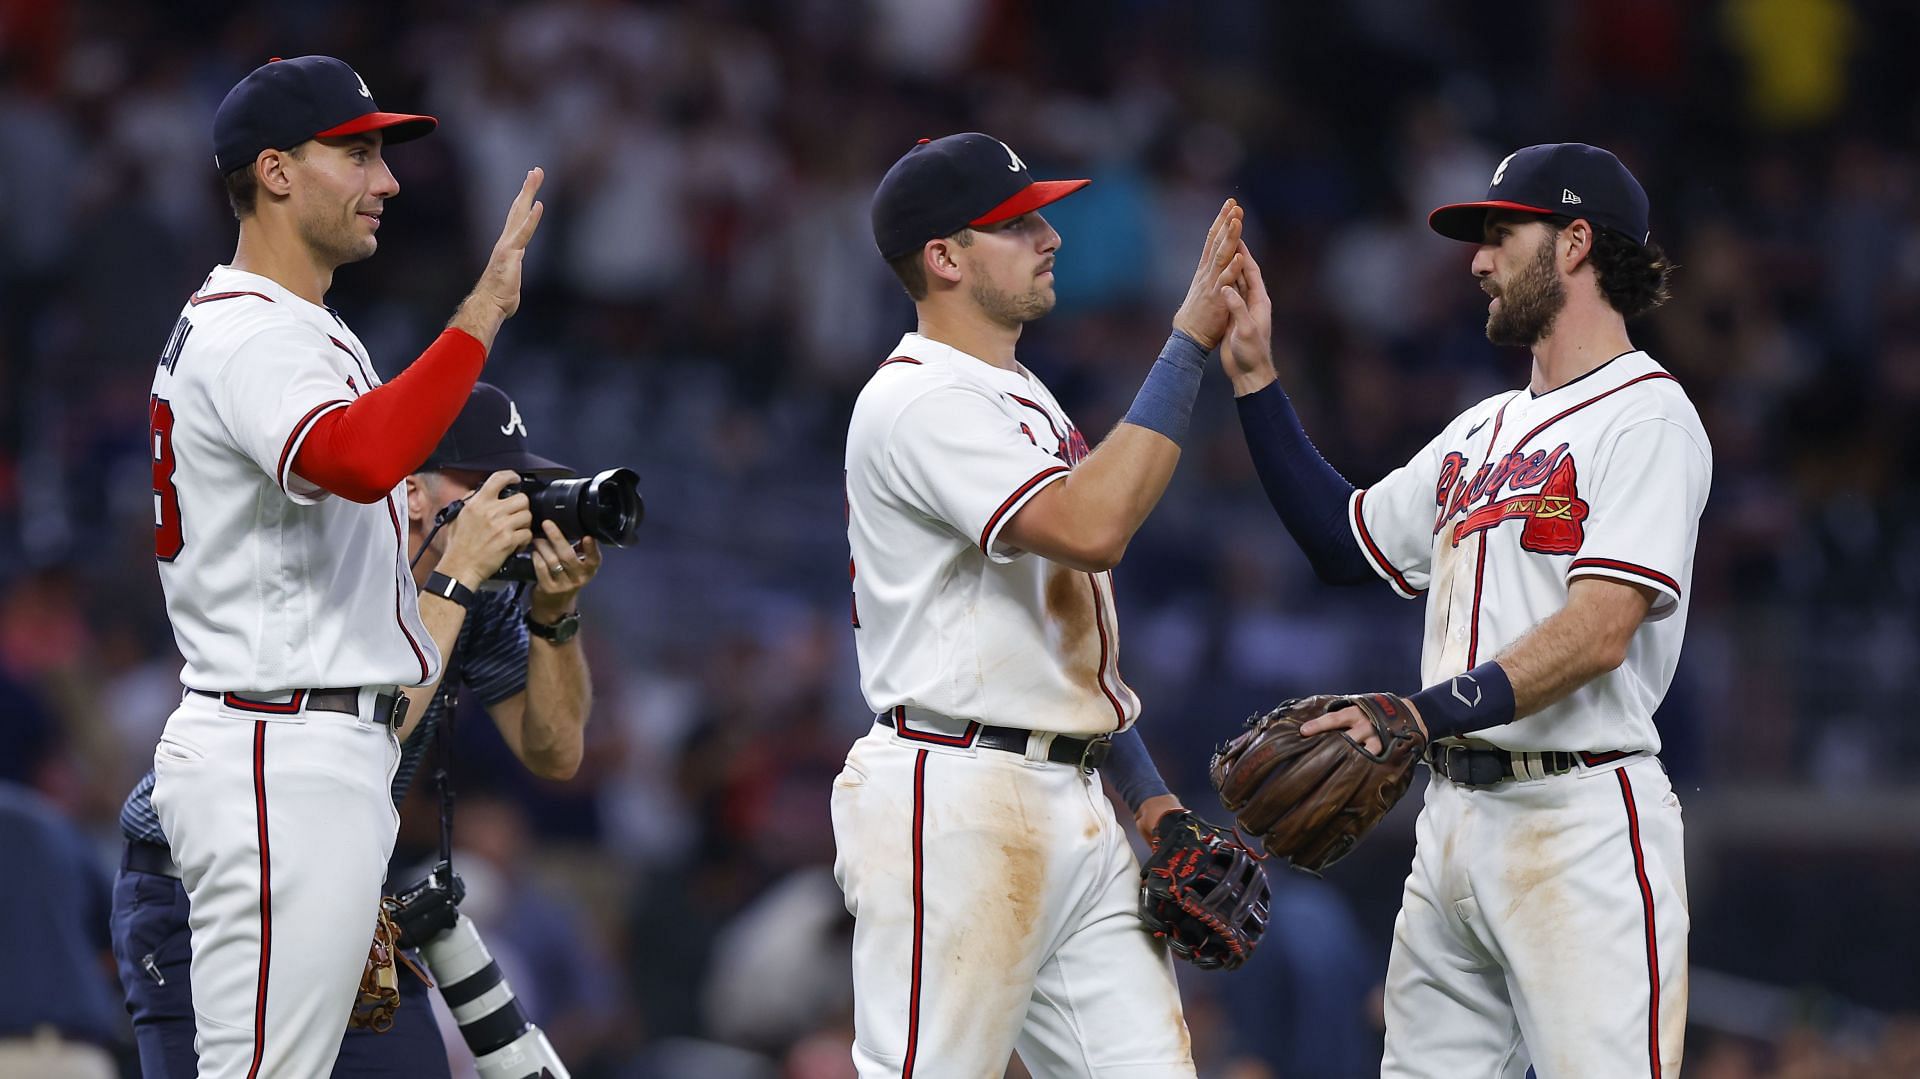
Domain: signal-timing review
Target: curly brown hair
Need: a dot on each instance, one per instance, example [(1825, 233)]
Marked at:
[(1632, 276)]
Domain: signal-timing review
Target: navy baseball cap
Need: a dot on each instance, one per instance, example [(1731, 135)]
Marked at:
[(487, 436), (283, 103), (944, 185), (1566, 179)]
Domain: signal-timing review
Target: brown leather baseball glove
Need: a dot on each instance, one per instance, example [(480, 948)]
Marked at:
[(1311, 800), (379, 994)]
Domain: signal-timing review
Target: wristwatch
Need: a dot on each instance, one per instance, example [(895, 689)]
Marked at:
[(560, 631), (447, 588)]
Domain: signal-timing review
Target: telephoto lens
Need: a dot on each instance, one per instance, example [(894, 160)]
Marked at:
[(505, 1043)]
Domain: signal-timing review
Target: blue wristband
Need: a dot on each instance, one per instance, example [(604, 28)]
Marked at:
[(1165, 401), (1131, 770), (1474, 701)]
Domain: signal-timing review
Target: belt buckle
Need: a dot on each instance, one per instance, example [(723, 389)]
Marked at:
[(1095, 754), (397, 705)]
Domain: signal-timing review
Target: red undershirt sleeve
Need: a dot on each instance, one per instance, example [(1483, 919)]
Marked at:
[(360, 452)]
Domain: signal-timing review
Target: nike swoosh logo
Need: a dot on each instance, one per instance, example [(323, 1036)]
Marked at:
[(1475, 429)]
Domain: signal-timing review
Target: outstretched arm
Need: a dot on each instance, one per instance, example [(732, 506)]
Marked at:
[(1086, 520), (1308, 494), (360, 452)]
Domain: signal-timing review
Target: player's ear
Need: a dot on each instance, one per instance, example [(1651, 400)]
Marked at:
[(942, 259), (1574, 244), (419, 503), (271, 169)]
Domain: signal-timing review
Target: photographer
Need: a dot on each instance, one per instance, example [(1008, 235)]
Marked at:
[(526, 668)]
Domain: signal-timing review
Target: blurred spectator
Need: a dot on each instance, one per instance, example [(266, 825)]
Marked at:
[(57, 1014)]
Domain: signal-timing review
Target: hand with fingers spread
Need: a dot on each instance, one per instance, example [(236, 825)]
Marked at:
[(496, 296), (1247, 353), (488, 530), (1203, 314), (560, 571)]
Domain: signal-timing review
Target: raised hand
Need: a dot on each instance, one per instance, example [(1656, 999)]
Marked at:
[(496, 296), (1247, 353), (1203, 314)]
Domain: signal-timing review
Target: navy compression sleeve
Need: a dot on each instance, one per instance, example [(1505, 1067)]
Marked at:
[(1131, 769), (1310, 496)]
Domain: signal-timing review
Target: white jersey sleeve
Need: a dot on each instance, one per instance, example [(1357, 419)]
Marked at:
[(269, 395), (1644, 510), (959, 458), (1393, 520)]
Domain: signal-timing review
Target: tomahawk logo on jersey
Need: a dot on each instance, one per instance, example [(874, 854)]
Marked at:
[(1604, 476)]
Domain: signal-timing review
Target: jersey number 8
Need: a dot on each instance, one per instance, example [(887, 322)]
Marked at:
[(167, 537)]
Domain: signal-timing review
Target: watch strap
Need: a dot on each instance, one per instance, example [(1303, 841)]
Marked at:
[(447, 588), (559, 631)]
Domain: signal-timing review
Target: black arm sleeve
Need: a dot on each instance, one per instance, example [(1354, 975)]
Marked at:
[(1310, 496)]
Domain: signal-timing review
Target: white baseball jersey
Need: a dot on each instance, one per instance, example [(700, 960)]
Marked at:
[(271, 583), (942, 451), (1605, 476)]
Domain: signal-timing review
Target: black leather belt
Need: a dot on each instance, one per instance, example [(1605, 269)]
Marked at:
[(388, 707), (1472, 767), (1087, 754), (144, 857)]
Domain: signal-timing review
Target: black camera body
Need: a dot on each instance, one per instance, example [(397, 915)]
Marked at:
[(606, 505), (429, 908)]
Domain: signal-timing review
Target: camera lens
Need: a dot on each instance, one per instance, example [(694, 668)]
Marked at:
[(606, 506)]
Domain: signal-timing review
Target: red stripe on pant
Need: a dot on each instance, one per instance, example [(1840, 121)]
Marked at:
[(919, 911), (1646, 903), (266, 896)]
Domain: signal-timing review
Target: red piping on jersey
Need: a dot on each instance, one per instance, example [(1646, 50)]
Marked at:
[(1480, 558), (1373, 549), (299, 434), (919, 912), (1646, 905), (1528, 437), (1019, 493), (962, 740), (1052, 426), (1595, 760), (899, 359), (1100, 672), (400, 537), (197, 300), (1479, 578), (357, 362), (273, 708), (266, 896), (1625, 567)]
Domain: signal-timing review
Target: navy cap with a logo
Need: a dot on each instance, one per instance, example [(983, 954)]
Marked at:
[(283, 103), (1565, 179), (487, 436), (944, 185)]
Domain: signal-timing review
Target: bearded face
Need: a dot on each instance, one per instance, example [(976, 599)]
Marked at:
[(1530, 299), (1008, 307)]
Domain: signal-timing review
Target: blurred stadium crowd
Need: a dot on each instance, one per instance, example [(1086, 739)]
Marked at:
[(704, 301)]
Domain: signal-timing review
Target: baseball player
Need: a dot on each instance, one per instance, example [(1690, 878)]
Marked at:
[(538, 695), (1552, 528), (994, 895), (278, 456)]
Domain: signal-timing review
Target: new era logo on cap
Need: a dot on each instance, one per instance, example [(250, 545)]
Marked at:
[(283, 103), (1543, 180)]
